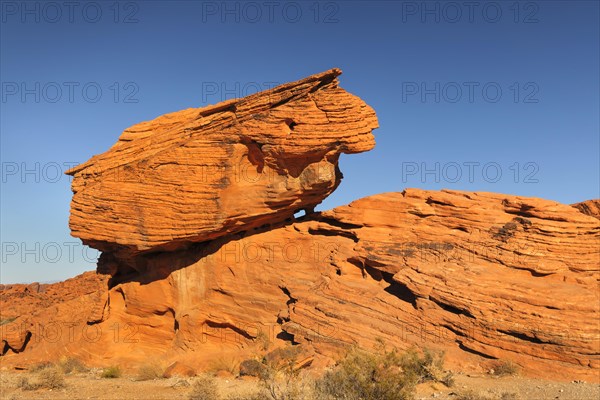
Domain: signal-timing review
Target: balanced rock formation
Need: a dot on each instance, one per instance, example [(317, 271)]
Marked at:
[(201, 173), (204, 268)]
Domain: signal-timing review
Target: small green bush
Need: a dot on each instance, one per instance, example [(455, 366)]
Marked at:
[(361, 375), (382, 375), (111, 372)]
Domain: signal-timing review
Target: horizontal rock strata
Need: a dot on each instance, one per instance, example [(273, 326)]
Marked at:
[(482, 276)]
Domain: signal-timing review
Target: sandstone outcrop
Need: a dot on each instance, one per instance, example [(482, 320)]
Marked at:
[(201, 173), (25, 310), (197, 268), (480, 275), (589, 207)]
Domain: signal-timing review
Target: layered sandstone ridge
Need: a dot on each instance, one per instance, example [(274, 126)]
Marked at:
[(589, 207), (201, 173), (483, 276)]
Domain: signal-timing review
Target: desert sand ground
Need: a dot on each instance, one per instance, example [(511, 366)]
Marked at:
[(91, 386)]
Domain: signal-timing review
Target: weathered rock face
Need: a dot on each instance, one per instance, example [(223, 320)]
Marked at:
[(198, 174), (207, 265), (589, 207), (479, 275), (38, 310)]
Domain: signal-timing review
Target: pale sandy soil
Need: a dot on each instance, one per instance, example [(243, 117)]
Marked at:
[(90, 386)]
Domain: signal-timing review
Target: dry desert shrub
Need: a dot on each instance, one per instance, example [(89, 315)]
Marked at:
[(252, 367), (204, 388), (229, 364), (111, 372), (505, 368), (149, 372), (262, 338), (470, 395), (70, 364), (253, 396), (24, 383), (46, 378), (51, 378), (280, 377), (429, 367), (362, 375), (382, 375), (40, 366)]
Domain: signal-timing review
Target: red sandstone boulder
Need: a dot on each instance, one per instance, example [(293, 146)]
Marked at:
[(179, 369), (202, 173)]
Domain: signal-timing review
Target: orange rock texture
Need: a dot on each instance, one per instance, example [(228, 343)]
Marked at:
[(483, 276), (589, 207), (480, 275), (201, 173)]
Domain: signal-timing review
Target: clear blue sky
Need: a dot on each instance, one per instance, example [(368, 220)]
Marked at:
[(497, 87)]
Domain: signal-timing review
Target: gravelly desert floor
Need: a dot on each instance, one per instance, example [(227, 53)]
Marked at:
[(473, 387)]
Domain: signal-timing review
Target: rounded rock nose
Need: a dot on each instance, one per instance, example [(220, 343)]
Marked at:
[(318, 174)]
